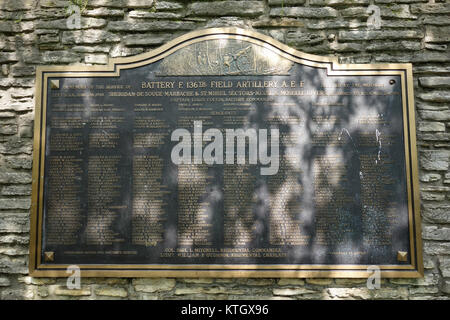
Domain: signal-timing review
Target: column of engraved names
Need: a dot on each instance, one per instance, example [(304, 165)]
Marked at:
[(285, 206), (64, 174), (148, 204), (148, 200), (63, 204), (104, 163), (238, 183), (103, 195), (379, 209), (238, 187), (194, 220), (285, 190), (333, 217), (194, 217)]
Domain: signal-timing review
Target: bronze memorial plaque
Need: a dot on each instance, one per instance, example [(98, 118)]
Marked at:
[(225, 153)]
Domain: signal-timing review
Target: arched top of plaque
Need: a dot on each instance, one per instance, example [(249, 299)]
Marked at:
[(226, 51)]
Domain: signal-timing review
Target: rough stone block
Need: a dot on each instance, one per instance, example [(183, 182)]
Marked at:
[(291, 291), (435, 96), (402, 24), (435, 82), (350, 282), (429, 279), (258, 282), (16, 145), (57, 57), (431, 126), (435, 233), (153, 285), (301, 38), (285, 2), (431, 196), (167, 6), (23, 71), (396, 11), (349, 293), (109, 3), (437, 160), (111, 292), (430, 177), (399, 1), (139, 3), (15, 177), (37, 281), (438, 136), (431, 8), (18, 162), (6, 57), (436, 115), (7, 115), (304, 12), (360, 35), (14, 5), (96, 58), (393, 46), (15, 203), (85, 23), (16, 190), (151, 25), (92, 49), (389, 293), (120, 51), (436, 248), (354, 12), (446, 287), (89, 36), (15, 27), (14, 223), (142, 14), (444, 266), (4, 282), (14, 239), (13, 265), (13, 251), (436, 20), (145, 39), (437, 34), (18, 93), (103, 12), (207, 290), (332, 3), (333, 24), (429, 57), (8, 128), (226, 8), (64, 291), (291, 281), (319, 281), (197, 280), (423, 290)]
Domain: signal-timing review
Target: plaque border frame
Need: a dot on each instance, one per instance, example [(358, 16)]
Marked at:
[(415, 270)]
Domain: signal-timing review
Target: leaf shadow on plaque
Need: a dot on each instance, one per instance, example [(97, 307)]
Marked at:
[(324, 205)]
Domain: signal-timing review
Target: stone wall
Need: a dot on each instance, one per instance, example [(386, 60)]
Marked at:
[(35, 32)]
